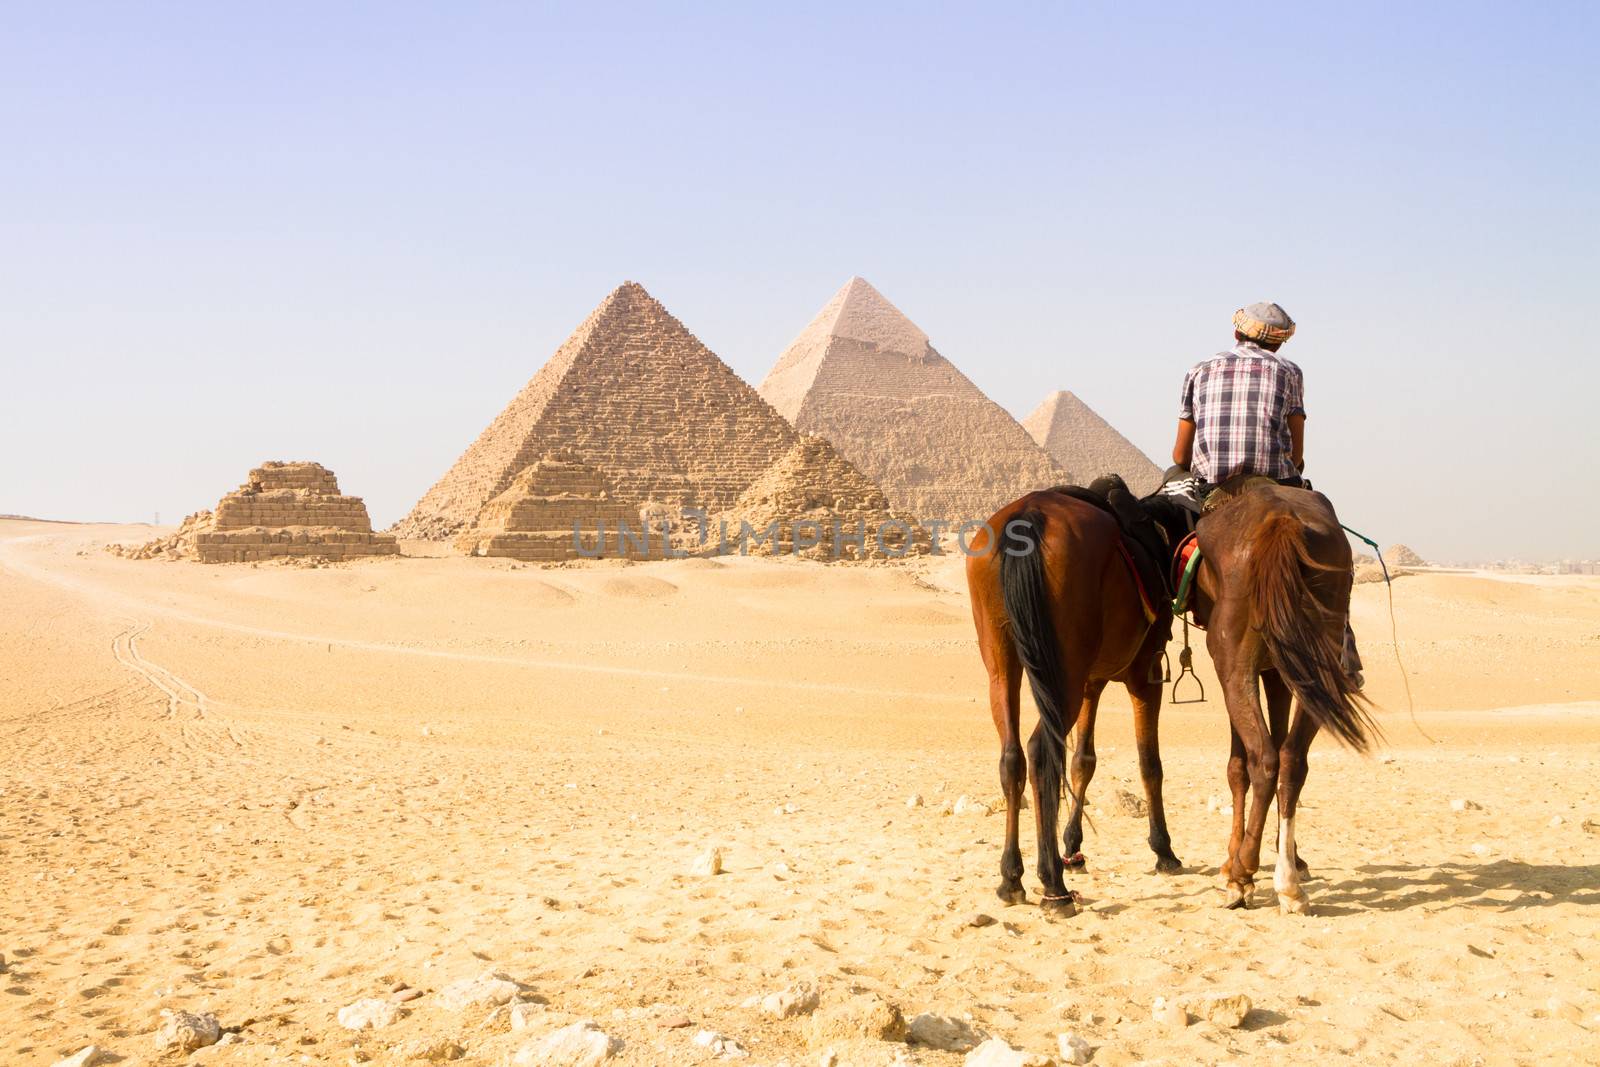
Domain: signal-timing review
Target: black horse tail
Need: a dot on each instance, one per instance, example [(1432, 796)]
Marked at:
[(1033, 629), (1299, 638)]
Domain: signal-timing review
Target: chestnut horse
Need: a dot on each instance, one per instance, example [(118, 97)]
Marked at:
[(1054, 596), (1274, 594)]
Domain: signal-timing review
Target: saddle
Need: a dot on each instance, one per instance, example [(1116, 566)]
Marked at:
[(1146, 542)]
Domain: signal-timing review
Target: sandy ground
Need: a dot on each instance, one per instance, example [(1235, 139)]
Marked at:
[(267, 791)]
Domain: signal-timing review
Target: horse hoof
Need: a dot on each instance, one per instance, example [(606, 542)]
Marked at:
[(1238, 896), (1012, 894), (1063, 907), (1299, 905), (1075, 862), (1168, 865)]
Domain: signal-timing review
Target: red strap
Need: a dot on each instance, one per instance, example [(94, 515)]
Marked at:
[(1133, 569)]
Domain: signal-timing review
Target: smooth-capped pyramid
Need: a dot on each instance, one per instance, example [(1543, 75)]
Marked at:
[(1087, 446), (635, 396), (866, 378)]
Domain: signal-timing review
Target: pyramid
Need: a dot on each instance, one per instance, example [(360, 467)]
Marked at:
[(282, 510), (1087, 446), (865, 377), (547, 506), (814, 487), (634, 395)]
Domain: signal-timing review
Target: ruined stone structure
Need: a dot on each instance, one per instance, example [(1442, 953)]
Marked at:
[(284, 510), (816, 489), (536, 516), (1086, 446), (635, 396), (866, 378)]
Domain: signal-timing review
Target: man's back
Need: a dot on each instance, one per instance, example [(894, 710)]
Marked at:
[(1240, 403)]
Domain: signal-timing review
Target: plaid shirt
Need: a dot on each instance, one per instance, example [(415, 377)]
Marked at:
[(1240, 402)]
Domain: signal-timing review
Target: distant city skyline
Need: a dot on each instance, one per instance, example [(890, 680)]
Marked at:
[(351, 234)]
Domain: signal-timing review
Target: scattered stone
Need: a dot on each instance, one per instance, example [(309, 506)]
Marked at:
[(1169, 1014), (726, 1047), (675, 1022), (996, 1053), (1556, 820), (708, 863), (1481, 849), (583, 1044), (965, 805), (867, 1015), (524, 1015), (185, 1032), (1074, 1050), (370, 1013), (488, 990), (948, 1033), (428, 1049), (1463, 804), (405, 995), (798, 999), (1130, 805), (84, 1057), (1223, 1009), (979, 919), (914, 800)]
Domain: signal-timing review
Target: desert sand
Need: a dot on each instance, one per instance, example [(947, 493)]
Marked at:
[(269, 791)]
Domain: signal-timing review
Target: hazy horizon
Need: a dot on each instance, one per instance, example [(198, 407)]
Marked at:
[(351, 235)]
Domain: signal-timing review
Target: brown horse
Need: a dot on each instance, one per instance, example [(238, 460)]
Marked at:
[(1053, 595), (1274, 594)]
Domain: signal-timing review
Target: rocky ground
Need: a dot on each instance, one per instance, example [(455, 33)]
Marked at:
[(416, 810)]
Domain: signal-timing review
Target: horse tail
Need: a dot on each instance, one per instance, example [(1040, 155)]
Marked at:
[(1033, 629), (1299, 641)]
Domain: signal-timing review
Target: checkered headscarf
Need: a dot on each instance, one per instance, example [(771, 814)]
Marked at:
[(1264, 322)]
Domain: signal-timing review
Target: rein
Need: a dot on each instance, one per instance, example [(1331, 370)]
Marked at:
[(1394, 630)]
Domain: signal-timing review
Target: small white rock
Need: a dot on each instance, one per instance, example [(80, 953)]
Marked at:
[(1481, 849), (965, 805), (1556, 820), (914, 800), (1463, 804), (799, 999), (708, 863), (84, 1057), (583, 1044), (1223, 1009), (488, 990), (1169, 1014), (1074, 1050), (186, 1031), (726, 1047), (948, 1033), (997, 1053), (370, 1013)]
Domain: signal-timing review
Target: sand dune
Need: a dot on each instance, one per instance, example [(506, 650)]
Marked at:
[(267, 792)]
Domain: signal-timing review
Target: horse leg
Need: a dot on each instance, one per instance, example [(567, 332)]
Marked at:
[(1045, 759), (1082, 771), (1279, 702), (1241, 690), (1292, 899), (1146, 696), (1239, 786), (1004, 705)]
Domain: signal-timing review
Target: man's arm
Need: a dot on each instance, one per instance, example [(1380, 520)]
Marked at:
[(1297, 441), (1183, 447)]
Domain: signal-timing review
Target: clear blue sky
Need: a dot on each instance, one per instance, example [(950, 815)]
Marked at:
[(350, 232)]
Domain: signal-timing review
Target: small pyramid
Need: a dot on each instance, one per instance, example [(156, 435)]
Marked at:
[(866, 378), (813, 484), (549, 510), (1401, 556), (1087, 446), (637, 397)]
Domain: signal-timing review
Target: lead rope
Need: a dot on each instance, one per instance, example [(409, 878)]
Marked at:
[(1394, 630)]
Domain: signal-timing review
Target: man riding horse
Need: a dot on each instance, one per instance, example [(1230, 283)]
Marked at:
[(1243, 413)]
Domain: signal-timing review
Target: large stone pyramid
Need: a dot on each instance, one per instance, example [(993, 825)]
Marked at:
[(637, 397), (865, 377), (1087, 446)]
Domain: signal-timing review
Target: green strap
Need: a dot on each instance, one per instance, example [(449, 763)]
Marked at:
[(1180, 603), (1375, 549)]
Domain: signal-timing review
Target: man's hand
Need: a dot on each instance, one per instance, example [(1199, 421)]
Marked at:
[(1183, 447)]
